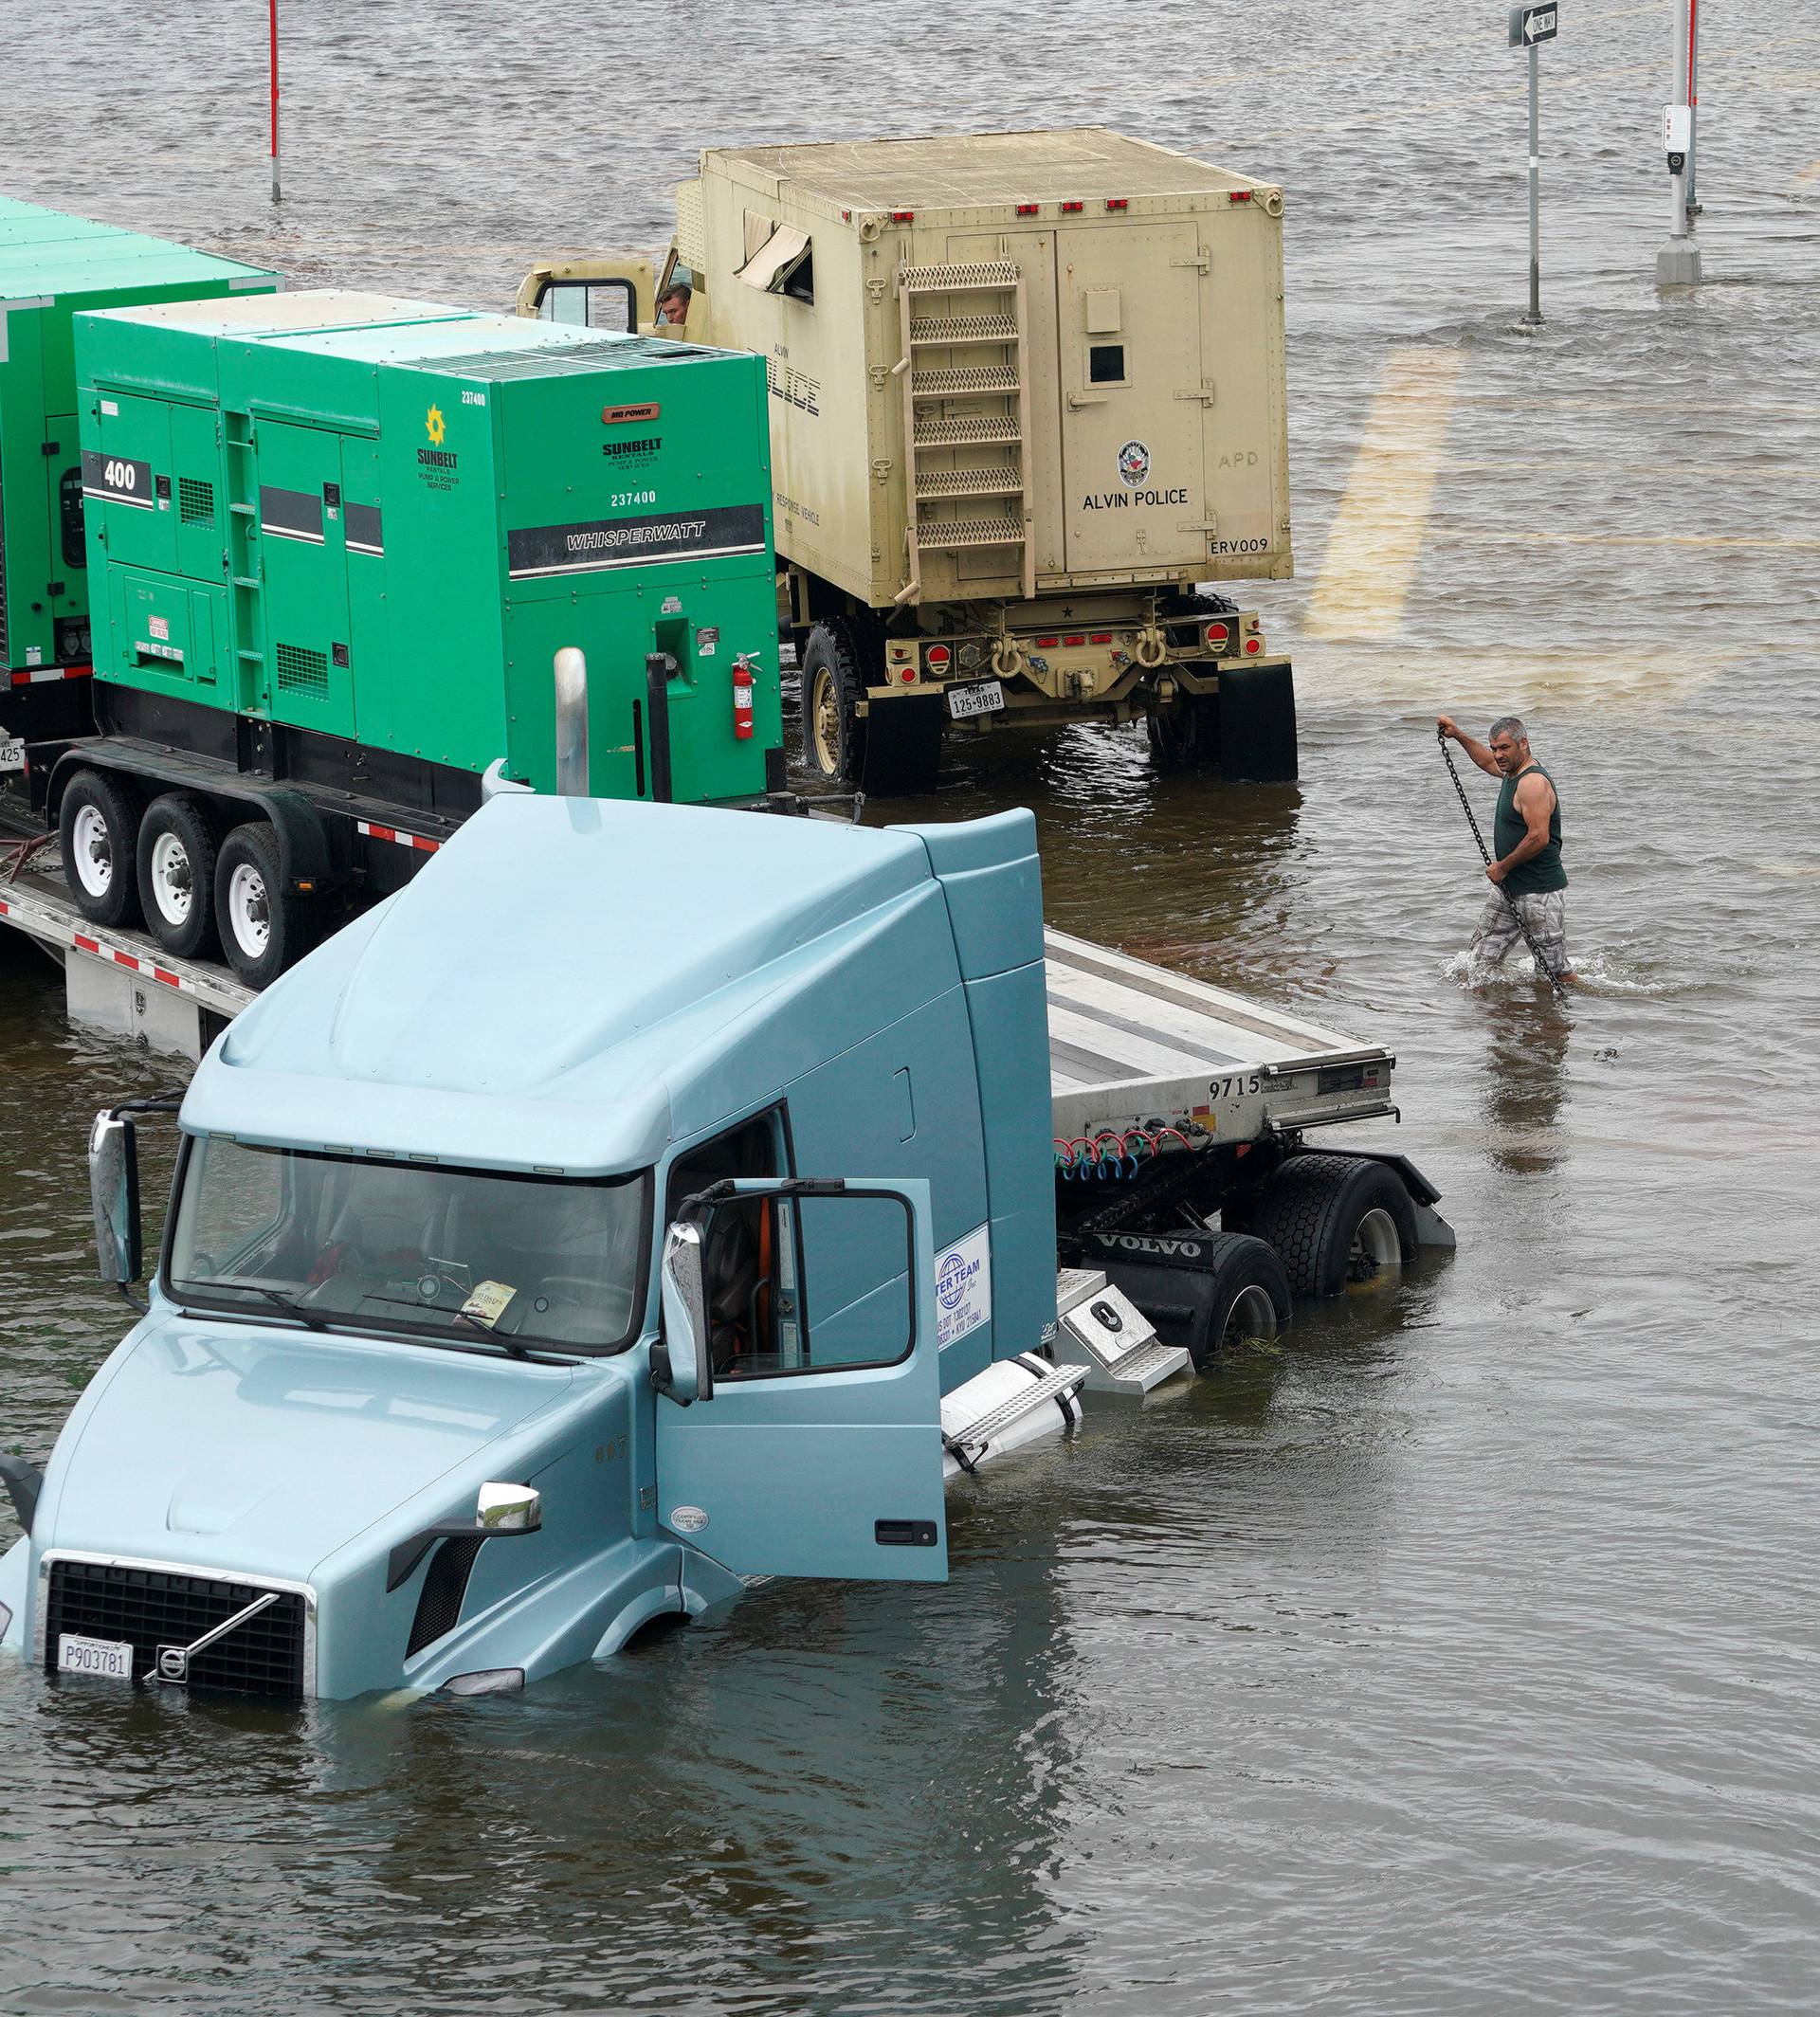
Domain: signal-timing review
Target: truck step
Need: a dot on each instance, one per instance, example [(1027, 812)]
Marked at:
[(963, 329), (933, 483), (974, 431), (985, 273), (947, 534), (965, 381), (1060, 1382)]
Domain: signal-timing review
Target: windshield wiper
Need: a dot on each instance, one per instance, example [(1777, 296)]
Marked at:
[(287, 1304)]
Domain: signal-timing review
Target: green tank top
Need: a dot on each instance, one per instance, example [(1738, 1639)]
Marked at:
[(1541, 871)]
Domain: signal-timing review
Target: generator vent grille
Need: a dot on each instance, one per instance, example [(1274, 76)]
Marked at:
[(301, 670), (195, 502)]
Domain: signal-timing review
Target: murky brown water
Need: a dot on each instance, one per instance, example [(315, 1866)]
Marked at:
[(1460, 1655)]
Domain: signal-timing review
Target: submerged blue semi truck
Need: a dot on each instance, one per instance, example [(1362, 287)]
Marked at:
[(559, 1247)]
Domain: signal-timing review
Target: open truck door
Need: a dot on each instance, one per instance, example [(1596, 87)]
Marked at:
[(618, 296), (799, 1428)]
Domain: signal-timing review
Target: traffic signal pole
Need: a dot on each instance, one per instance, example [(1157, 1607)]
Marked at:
[(1678, 262)]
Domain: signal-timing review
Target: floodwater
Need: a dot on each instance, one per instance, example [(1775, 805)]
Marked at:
[(1461, 1653)]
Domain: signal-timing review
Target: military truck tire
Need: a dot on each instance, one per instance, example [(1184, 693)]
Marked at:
[(176, 871), (833, 684), (1338, 1222), (97, 825), (266, 926), (1185, 735)]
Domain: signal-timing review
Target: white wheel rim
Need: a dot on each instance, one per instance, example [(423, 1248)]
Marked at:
[(1377, 1249), (94, 847), (249, 915), (1252, 1315), (173, 885)]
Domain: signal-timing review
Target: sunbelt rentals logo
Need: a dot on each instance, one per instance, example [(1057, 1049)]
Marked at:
[(435, 427), (436, 465)]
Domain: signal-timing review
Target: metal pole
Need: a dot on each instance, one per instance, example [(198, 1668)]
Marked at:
[(1678, 262), (1535, 314), (572, 723), (272, 12)]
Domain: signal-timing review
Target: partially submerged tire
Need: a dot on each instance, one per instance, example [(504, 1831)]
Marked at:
[(1208, 1292), (833, 685), (266, 925), (177, 873), (1185, 735), (1338, 1223), (98, 824)]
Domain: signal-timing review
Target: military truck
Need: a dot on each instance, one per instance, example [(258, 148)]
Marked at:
[(338, 541), (1027, 396), (52, 267)]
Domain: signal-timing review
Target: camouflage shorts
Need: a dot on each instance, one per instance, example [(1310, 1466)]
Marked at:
[(1543, 911)]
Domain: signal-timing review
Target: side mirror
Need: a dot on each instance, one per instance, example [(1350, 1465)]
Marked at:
[(680, 1364), (509, 1509), (113, 1187)]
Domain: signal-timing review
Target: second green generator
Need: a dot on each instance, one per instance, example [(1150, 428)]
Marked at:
[(372, 523)]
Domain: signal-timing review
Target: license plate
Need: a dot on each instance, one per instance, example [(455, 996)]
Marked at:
[(12, 752), (112, 1657), (986, 697)]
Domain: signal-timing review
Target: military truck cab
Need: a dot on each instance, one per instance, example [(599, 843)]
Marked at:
[(1028, 413)]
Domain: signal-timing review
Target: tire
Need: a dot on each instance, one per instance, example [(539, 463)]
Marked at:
[(176, 852), (98, 824), (1231, 1287), (833, 685), (1338, 1223), (266, 926), (903, 760), (1185, 736)]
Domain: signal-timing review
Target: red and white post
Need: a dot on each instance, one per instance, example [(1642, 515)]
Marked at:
[(272, 11)]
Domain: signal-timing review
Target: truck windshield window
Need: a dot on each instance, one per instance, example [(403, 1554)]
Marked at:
[(462, 1254)]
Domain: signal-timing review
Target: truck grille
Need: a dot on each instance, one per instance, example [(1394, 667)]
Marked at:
[(165, 1606)]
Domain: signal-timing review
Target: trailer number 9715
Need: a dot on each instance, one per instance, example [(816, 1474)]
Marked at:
[(1233, 1088)]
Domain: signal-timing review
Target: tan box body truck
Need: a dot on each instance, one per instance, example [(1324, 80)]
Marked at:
[(1026, 395)]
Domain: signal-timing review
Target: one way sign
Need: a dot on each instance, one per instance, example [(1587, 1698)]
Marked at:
[(1531, 25)]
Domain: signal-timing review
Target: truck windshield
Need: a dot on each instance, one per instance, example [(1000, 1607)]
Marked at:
[(458, 1254)]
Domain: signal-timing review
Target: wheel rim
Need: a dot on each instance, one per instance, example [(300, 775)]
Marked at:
[(1252, 1315), (824, 723), (1377, 1250), (249, 913), (94, 849), (173, 888)]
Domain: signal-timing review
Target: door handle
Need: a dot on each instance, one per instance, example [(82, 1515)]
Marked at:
[(1078, 400)]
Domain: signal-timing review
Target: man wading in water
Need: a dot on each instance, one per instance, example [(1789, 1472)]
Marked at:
[(1525, 849)]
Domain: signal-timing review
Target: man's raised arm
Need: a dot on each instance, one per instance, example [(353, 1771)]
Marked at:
[(1477, 751)]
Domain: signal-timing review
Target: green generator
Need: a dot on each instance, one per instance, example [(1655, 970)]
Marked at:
[(51, 267), (338, 539)]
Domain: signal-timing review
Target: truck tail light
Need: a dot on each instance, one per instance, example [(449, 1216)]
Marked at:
[(937, 656), (742, 685), (1027, 209), (1098, 637), (903, 216), (1080, 637), (1254, 644), (1048, 643), (1218, 637), (1238, 195), (1118, 203), (1070, 209)]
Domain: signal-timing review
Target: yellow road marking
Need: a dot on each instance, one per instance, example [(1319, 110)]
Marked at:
[(1490, 537), (1375, 539)]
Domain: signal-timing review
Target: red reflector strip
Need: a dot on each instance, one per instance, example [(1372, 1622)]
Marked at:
[(1027, 209), (88, 945), (37, 677), (1078, 638), (1068, 209), (1238, 195), (392, 833), (903, 216), (1048, 643), (1098, 637), (1117, 203)]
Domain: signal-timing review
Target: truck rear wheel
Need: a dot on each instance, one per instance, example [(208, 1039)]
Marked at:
[(1186, 734), (833, 686), (98, 824), (266, 925), (1338, 1222), (1212, 1292), (176, 869)]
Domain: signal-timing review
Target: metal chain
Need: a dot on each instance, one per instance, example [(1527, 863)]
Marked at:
[(1543, 966)]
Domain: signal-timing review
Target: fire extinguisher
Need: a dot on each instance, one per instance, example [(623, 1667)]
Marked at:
[(742, 685)]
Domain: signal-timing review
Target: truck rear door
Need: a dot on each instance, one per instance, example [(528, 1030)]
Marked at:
[(1128, 311), (818, 1452)]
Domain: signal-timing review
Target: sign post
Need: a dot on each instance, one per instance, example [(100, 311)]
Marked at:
[(1530, 27), (272, 16), (1678, 262)]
